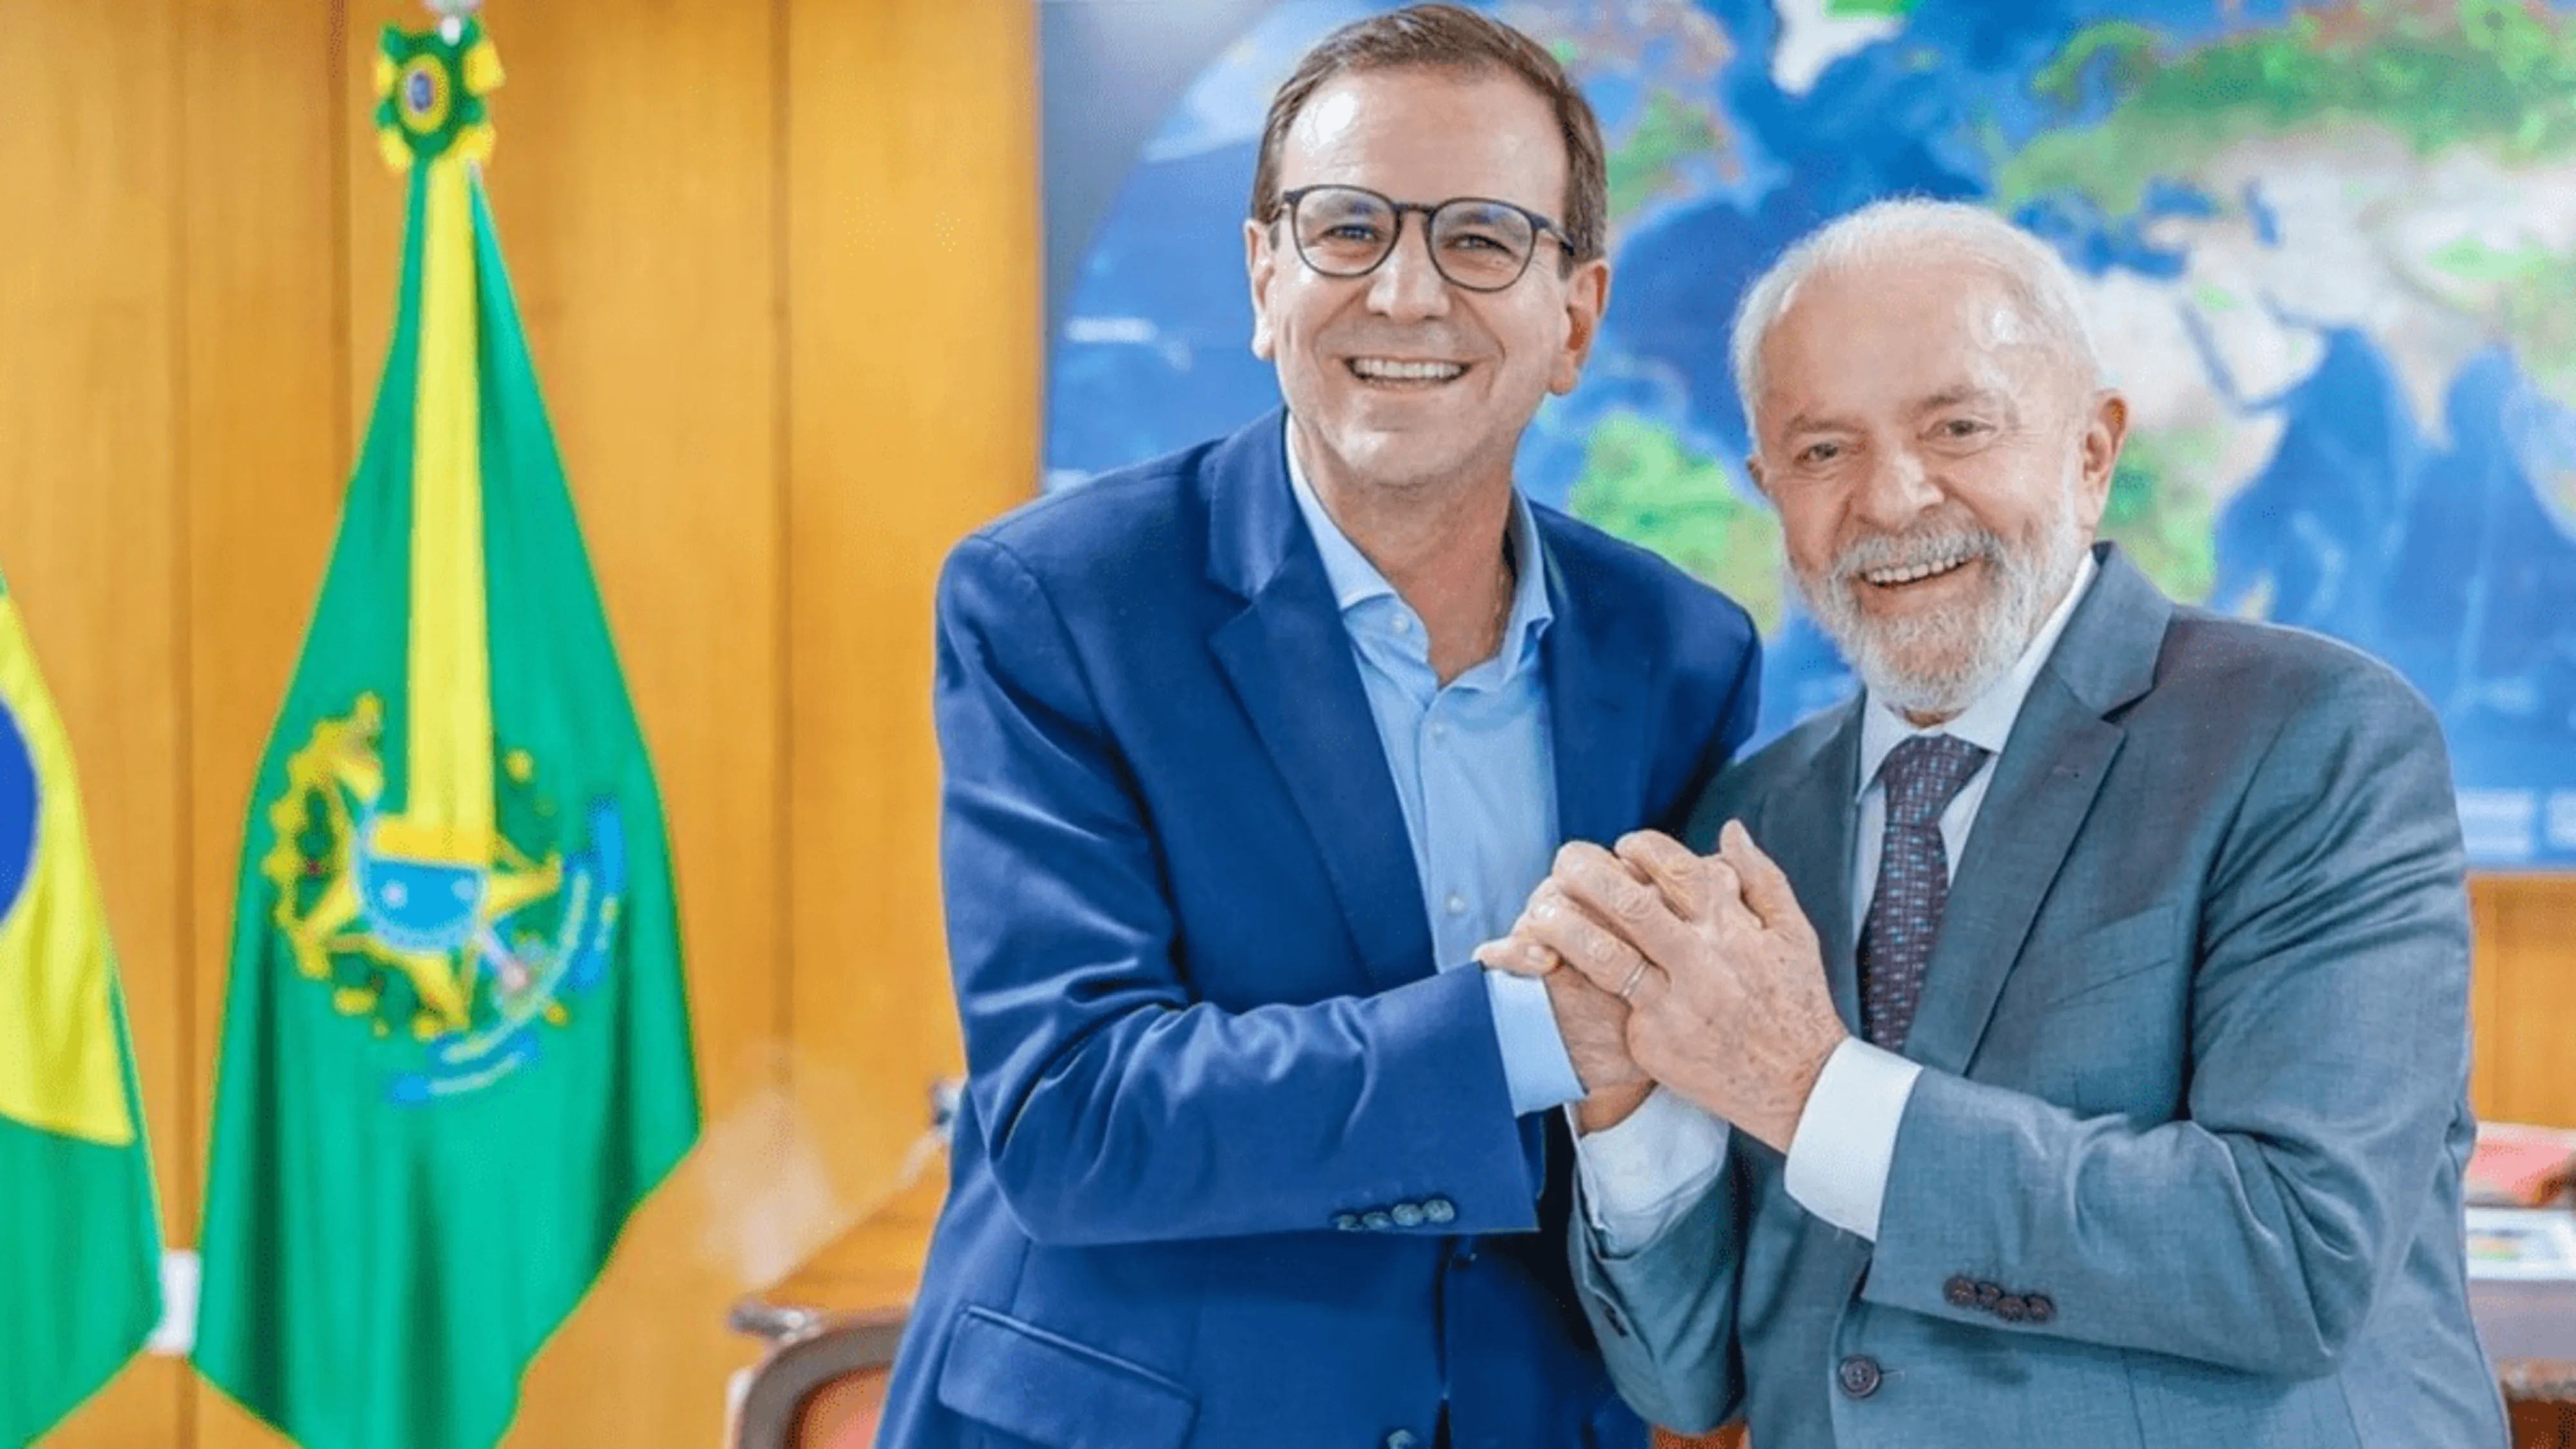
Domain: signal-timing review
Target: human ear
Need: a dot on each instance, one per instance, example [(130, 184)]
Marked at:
[(1587, 296), (1260, 265), (2104, 433)]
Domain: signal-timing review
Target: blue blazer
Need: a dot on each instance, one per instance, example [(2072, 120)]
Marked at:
[(1236, 1164)]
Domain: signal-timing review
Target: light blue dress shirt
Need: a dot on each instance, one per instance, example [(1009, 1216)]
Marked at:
[(1475, 768)]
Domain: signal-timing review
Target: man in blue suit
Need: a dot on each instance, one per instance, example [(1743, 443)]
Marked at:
[(2091, 1065), (1245, 751)]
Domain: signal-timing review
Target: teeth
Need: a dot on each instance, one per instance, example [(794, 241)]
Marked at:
[(1391, 370), (1912, 572)]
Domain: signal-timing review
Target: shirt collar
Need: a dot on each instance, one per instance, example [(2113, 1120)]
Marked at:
[(1988, 720), (1356, 581)]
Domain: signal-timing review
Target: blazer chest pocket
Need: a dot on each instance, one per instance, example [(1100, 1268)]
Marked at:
[(2106, 955), (1047, 1389)]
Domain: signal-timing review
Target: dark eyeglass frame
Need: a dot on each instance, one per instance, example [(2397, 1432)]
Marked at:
[(1541, 225)]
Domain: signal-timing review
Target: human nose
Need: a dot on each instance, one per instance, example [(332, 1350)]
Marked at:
[(1896, 489), (1407, 284)]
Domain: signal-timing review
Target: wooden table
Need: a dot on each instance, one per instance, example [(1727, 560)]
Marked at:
[(833, 1325), (2530, 1332)]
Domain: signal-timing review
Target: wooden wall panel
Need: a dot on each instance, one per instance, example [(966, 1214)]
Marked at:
[(791, 345), (913, 260), (89, 391), (265, 455), (2523, 999), (634, 188)]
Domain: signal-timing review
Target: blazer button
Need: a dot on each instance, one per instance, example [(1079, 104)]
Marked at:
[(1406, 1214), (1402, 1439), (1960, 1292), (1439, 1210), (1988, 1295), (2011, 1309), (1376, 1222), (1858, 1375), (2039, 1308)]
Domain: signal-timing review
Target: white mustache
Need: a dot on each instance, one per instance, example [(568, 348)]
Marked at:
[(1910, 550)]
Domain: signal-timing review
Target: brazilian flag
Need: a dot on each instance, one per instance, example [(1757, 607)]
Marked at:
[(456, 1048), (80, 1243)]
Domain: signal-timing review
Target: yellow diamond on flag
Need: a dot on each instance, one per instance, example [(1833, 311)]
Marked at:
[(61, 1061)]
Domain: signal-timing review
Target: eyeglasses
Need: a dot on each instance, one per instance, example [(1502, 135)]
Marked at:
[(1477, 243)]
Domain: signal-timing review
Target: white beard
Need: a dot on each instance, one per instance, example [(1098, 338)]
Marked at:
[(1936, 665)]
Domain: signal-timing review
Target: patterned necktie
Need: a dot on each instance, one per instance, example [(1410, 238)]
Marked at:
[(1921, 777)]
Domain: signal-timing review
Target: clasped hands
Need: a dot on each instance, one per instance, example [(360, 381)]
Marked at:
[(1698, 972)]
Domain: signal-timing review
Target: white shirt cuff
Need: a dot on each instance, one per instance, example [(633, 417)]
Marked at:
[(1642, 1175), (1537, 1069), (1846, 1141)]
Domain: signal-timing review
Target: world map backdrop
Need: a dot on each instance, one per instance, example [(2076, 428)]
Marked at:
[(2330, 254)]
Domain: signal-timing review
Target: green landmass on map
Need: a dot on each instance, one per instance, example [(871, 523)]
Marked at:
[(2492, 74), (1869, 9), (2159, 511), (1640, 482), (1649, 162), (2527, 294)]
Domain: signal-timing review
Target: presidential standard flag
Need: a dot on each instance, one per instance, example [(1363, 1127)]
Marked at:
[(80, 1241), (456, 1048)]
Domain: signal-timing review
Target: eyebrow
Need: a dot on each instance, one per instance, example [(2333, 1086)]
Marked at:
[(1803, 423), (1966, 392)]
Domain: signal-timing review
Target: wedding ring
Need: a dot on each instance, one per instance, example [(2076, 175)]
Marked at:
[(1633, 978)]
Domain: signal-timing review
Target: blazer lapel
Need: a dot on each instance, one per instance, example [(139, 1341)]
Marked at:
[(1806, 828), (1288, 658), (2052, 766), (1598, 711)]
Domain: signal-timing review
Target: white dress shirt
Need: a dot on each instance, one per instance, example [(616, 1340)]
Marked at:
[(1640, 1176)]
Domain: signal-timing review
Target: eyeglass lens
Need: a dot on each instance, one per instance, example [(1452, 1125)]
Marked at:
[(1343, 231)]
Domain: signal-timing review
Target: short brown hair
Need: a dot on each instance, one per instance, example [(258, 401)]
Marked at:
[(1449, 38)]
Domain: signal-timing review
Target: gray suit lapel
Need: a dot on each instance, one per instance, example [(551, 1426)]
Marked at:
[(2052, 767), (1804, 822)]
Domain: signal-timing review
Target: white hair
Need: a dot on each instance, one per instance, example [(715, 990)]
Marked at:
[(2037, 278)]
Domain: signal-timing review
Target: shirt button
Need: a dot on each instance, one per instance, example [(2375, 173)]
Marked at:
[(1403, 624), (1858, 1375), (1439, 731), (1456, 905)]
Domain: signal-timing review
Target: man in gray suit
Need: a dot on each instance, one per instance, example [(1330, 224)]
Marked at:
[(2146, 1125)]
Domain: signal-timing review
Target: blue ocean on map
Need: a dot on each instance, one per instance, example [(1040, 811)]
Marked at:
[(2330, 253)]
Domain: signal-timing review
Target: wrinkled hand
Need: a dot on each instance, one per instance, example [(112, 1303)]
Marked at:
[(1593, 1023), (1719, 968)]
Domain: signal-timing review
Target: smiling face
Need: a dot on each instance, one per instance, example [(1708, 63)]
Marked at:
[(1399, 381), (1939, 467)]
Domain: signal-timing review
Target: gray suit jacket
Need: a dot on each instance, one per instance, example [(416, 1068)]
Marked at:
[(2183, 1167)]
